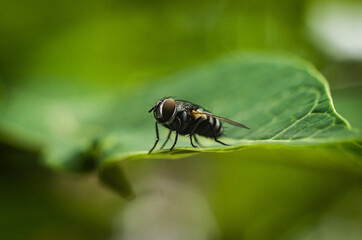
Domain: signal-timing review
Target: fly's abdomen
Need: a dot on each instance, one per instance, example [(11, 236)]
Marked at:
[(207, 127)]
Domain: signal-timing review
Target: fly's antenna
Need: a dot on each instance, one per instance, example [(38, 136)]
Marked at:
[(151, 109)]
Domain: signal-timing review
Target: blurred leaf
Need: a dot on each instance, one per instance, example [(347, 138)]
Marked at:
[(53, 116)]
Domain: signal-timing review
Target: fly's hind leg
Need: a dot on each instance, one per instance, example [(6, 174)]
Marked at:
[(197, 141), (192, 144)]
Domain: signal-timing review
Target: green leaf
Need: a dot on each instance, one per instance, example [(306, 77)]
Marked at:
[(283, 100)]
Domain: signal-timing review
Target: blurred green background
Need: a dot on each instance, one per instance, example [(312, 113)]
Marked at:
[(101, 47)]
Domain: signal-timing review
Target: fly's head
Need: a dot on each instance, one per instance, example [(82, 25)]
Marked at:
[(164, 110)]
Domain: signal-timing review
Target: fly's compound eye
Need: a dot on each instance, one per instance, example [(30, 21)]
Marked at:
[(168, 109)]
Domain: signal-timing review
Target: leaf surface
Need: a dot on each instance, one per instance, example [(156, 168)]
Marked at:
[(283, 100)]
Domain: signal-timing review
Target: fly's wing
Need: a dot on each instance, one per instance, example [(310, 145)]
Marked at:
[(223, 119)]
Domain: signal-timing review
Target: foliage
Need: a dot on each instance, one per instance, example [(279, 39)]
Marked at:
[(76, 81)]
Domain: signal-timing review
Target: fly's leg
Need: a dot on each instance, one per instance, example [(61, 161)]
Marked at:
[(179, 124), (215, 138), (174, 143), (168, 137), (193, 130), (157, 139), (197, 141)]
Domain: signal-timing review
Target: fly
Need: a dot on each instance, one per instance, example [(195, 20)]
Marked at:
[(186, 118)]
